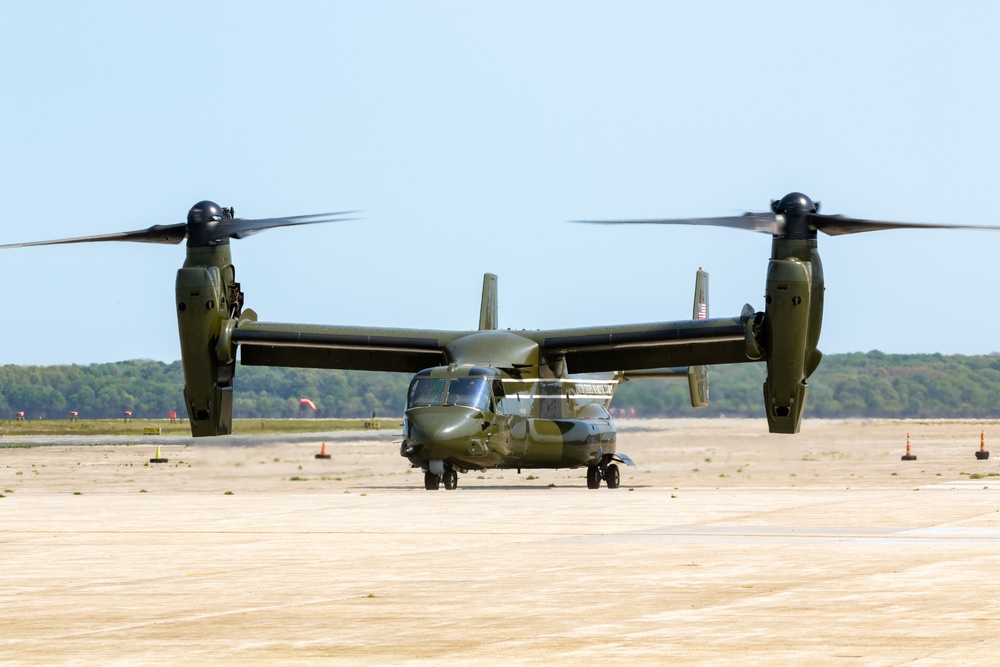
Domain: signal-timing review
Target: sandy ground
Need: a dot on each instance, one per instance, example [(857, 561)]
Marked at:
[(725, 545)]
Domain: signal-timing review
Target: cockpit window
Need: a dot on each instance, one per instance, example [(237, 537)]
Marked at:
[(425, 391), (471, 392)]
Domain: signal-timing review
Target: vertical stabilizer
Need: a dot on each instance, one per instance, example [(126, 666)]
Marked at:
[(698, 375), (488, 307)]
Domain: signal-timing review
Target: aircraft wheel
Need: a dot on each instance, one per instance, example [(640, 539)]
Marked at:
[(593, 477), (432, 482), (450, 480), (611, 476)]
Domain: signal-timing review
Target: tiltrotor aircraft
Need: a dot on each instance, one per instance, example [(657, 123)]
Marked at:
[(493, 398)]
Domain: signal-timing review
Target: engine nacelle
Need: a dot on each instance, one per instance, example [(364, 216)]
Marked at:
[(202, 316), (791, 346)]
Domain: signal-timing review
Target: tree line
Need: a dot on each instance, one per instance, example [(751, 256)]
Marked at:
[(154, 389), (870, 384), (873, 384)]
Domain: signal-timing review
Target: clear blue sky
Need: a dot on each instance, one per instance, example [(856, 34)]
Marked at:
[(469, 132)]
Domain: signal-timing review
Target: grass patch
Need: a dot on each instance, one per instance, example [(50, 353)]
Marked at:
[(136, 426)]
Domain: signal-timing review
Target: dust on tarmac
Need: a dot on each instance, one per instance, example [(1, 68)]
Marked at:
[(724, 545)]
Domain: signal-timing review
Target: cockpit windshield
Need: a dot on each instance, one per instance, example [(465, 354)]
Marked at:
[(470, 392), (425, 391)]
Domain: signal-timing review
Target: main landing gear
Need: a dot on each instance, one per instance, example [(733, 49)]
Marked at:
[(609, 473), (432, 481)]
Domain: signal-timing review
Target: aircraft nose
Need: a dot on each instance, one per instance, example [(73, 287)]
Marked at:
[(444, 425)]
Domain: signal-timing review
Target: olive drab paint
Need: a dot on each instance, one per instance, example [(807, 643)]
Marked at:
[(490, 397), (202, 292)]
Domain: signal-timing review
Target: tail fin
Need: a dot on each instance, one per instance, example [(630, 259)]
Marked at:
[(698, 375), (488, 307)]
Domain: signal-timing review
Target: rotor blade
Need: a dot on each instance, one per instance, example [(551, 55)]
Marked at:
[(239, 228), (767, 223), (155, 234), (835, 225)]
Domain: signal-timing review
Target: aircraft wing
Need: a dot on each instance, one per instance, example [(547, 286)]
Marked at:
[(344, 347), (656, 345), (652, 347)]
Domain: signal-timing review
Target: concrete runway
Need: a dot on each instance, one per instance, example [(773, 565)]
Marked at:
[(725, 545)]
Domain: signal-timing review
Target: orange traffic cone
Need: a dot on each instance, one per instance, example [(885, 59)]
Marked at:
[(322, 452), (982, 454), (908, 456)]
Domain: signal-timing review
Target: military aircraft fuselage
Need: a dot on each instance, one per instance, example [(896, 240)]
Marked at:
[(500, 404), (471, 417)]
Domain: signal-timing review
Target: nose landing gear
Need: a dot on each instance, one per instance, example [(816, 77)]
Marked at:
[(609, 473), (593, 477), (432, 481), (611, 476)]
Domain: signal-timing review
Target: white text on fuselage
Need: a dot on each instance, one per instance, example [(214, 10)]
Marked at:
[(594, 389)]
